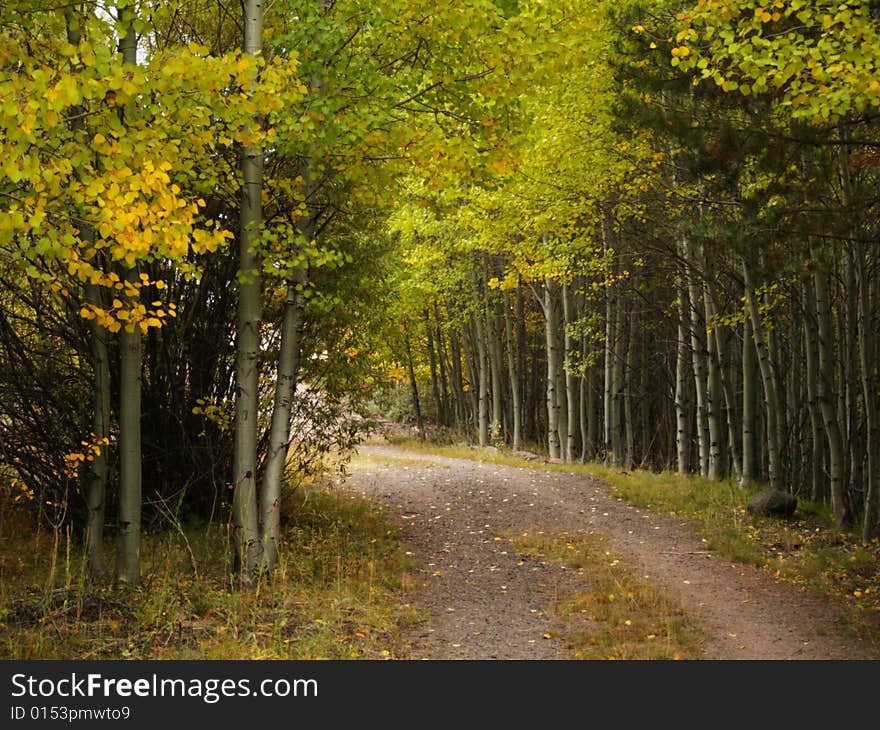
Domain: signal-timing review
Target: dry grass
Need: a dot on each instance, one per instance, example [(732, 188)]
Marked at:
[(339, 593), (620, 616)]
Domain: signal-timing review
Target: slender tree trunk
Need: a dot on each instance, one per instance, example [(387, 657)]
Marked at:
[(129, 519), (728, 393), (516, 401), (782, 435), (792, 383), (457, 380), (683, 372), (522, 346), (867, 324), (432, 363), (592, 421), (838, 292), (716, 392), (713, 408), (585, 416), (98, 470), (698, 356), (560, 389), (128, 561), (768, 379), (471, 357), (483, 375), (749, 402), (571, 380), (414, 386), (646, 440), (817, 436), (446, 420), (836, 455), (608, 381), (629, 421), (279, 435), (96, 479), (618, 384), (494, 349), (551, 329), (245, 518)]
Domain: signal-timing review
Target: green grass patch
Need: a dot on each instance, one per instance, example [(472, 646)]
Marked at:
[(619, 616), (807, 550), (339, 592)]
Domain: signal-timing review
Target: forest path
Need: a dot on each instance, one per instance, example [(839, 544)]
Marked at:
[(486, 601)]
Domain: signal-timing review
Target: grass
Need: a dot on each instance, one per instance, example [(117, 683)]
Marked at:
[(806, 550), (620, 616), (339, 592)]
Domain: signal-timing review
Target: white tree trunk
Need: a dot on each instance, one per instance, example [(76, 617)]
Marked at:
[(515, 398), (768, 379), (551, 332), (571, 381), (245, 518), (279, 435), (128, 560)]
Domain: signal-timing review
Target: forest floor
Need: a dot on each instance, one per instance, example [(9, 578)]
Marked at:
[(485, 596)]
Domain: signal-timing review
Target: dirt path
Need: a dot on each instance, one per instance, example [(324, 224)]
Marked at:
[(485, 601)]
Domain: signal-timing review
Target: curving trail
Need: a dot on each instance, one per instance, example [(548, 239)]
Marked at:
[(484, 601)]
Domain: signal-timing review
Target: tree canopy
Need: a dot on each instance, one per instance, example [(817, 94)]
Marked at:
[(640, 232)]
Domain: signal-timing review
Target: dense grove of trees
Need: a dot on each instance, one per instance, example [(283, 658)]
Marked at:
[(639, 232), (676, 266), (192, 248)]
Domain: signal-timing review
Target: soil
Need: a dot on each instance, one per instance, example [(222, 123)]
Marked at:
[(484, 600)]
